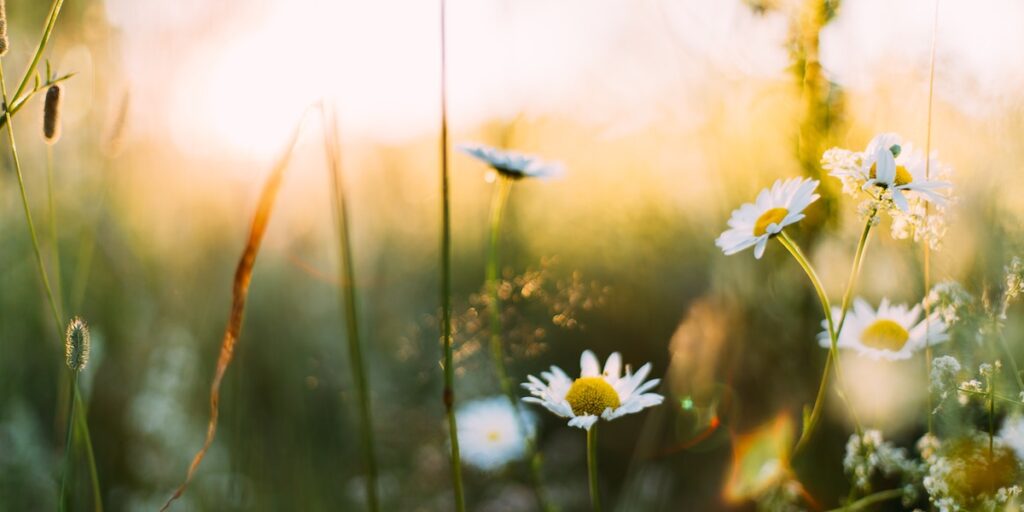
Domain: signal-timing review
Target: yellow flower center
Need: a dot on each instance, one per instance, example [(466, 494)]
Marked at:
[(591, 396), (773, 216), (885, 335), (903, 176), (494, 436)]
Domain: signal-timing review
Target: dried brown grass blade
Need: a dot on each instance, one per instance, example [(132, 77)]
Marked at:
[(239, 292)]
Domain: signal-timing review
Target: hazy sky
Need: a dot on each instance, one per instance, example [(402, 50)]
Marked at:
[(240, 71)]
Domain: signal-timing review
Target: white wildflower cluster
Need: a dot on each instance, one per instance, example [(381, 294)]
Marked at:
[(949, 300), (966, 475), (787, 496), (944, 379), (891, 177), (869, 454)]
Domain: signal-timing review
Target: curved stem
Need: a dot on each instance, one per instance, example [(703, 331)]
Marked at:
[(858, 261), (51, 21), (67, 443), (446, 283), (502, 189), (815, 416), (595, 495), (871, 499)]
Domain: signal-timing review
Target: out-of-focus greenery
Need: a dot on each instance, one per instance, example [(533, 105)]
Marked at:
[(623, 245)]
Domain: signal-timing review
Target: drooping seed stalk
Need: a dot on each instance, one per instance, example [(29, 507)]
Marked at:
[(348, 298), (502, 189), (448, 395), (833, 357), (41, 268), (67, 444), (595, 494)]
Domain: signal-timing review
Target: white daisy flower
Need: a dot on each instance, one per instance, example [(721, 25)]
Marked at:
[(753, 224), (596, 394), (489, 432), (893, 332), (512, 164)]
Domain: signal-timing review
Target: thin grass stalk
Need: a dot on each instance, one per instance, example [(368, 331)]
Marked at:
[(41, 268), (502, 189), (448, 396), (239, 294), (67, 444), (927, 248), (54, 242), (332, 146), (815, 416), (595, 493)]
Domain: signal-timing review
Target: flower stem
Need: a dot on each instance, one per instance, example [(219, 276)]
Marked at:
[(502, 189), (67, 444), (871, 499), (348, 292), (815, 416), (991, 414), (446, 283), (595, 495), (858, 261)]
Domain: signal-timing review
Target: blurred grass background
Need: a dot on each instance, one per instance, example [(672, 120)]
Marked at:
[(656, 161)]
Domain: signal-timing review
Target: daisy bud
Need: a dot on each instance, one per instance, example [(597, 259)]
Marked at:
[(76, 344), (3, 28), (51, 114), (896, 150)]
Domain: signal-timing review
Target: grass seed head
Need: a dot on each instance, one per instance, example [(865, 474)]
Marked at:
[(51, 114), (76, 344), (3, 28)]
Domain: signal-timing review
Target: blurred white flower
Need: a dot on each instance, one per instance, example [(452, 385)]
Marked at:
[(753, 224), (489, 432), (596, 394), (892, 332), (1012, 434), (512, 164)]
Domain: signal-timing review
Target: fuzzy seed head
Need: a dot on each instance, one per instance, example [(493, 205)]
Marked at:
[(76, 344), (51, 114), (3, 28)]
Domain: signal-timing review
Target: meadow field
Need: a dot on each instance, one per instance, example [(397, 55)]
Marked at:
[(511, 255)]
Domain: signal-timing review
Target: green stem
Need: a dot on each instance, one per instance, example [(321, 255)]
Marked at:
[(595, 495), (502, 189), (54, 242), (1013, 360), (446, 282), (51, 21), (90, 455), (826, 307), (991, 414), (871, 499), (858, 262), (986, 394), (58, 324), (67, 444), (348, 292)]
